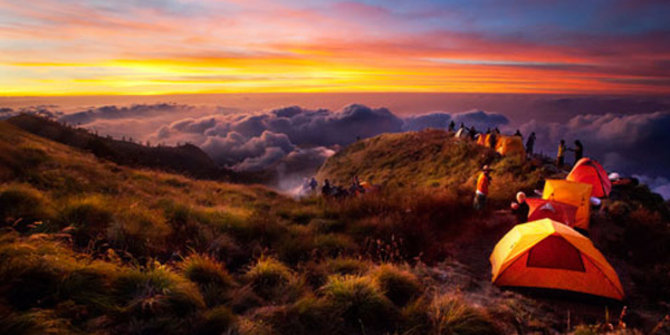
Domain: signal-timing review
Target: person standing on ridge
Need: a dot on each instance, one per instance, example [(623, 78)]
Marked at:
[(452, 126), (472, 132), (326, 189), (493, 138), (518, 133), (313, 184), (560, 155), (483, 182), (579, 150), (530, 143)]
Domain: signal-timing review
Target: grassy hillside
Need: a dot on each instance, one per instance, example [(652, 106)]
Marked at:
[(430, 159), (89, 246), (186, 159)]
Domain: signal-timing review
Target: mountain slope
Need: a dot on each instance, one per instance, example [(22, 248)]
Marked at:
[(430, 159), (185, 159), (90, 246)]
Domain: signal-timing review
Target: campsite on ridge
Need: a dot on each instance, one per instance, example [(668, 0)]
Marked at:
[(145, 251)]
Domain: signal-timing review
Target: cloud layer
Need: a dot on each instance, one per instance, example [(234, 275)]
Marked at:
[(630, 144), (295, 141)]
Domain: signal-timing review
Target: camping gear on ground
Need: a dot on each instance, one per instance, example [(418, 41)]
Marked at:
[(572, 193), (369, 187), (589, 171), (548, 254), (510, 146), (548, 209)]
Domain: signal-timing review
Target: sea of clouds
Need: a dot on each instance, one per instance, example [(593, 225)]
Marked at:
[(295, 141)]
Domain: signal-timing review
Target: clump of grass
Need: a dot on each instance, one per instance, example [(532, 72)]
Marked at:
[(344, 266), (296, 245), (155, 300), (226, 249), (140, 231), (211, 277), (31, 272), (248, 326), (398, 285), (452, 315), (360, 303), (334, 245), (215, 321), (309, 315), (89, 216), (41, 321), (272, 280), (23, 202)]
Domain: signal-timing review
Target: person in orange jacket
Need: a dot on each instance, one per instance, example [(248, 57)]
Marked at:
[(483, 182)]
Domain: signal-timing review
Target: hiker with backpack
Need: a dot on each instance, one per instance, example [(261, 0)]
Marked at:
[(482, 191)]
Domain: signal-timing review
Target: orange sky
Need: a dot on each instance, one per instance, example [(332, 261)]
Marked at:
[(82, 47)]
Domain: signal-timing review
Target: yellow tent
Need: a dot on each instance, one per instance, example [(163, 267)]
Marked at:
[(481, 140), (549, 254), (571, 193), (487, 140), (510, 146)]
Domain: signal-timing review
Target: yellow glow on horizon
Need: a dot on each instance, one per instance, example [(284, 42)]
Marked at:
[(275, 75)]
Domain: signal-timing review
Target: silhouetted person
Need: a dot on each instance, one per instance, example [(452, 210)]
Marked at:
[(530, 143), (518, 133), (560, 155), (326, 188), (452, 125), (313, 184), (472, 132), (579, 151), (493, 138)]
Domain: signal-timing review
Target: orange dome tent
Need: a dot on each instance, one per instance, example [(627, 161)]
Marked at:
[(481, 140), (549, 254), (591, 172), (572, 193), (511, 145), (547, 209)]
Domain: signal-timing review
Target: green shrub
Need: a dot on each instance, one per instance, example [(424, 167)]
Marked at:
[(273, 281), (90, 217), (41, 321), (333, 245), (211, 277), (345, 266), (360, 303), (31, 273), (19, 201), (156, 291), (215, 321), (309, 315), (398, 285), (140, 231), (451, 315)]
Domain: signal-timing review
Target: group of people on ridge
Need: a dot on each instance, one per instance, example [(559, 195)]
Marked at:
[(520, 207), (329, 190)]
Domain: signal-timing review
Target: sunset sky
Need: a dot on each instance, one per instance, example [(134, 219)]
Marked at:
[(78, 47)]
